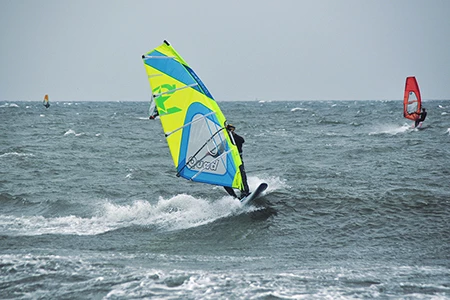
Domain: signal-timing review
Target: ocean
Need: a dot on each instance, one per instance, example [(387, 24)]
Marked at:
[(358, 205)]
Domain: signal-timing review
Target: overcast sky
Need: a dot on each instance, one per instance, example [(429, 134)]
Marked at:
[(243, 50)]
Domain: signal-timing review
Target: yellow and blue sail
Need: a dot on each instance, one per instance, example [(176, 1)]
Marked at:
[(192, 121)]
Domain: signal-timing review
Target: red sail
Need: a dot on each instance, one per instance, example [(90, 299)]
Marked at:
[(412, 102)]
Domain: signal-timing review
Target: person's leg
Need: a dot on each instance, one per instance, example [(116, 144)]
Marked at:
[(244, 179), (230, 191)]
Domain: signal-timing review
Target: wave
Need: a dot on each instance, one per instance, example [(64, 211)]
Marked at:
[(181, 211), (9, 105), (71, 131), (299, 108), (8, 154), (391, 129)]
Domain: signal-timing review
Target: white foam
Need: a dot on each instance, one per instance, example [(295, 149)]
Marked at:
[(274, 183), (71, 131), (181, 211), (9, 105), (37, 225), (391, 129), (178, 212), (15, 154), (299, 108)]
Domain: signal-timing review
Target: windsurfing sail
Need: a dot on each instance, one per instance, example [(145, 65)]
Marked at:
[(194, 125), (412, 102), (45, 102)]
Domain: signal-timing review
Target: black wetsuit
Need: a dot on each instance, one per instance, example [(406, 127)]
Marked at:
[(421, 118), (154, 115), (239, 141)]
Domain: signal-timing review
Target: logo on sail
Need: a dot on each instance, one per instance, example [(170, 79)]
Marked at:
[(201, 164), (163, 93)]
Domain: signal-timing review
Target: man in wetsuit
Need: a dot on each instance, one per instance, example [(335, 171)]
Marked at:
[(239, 141), (421, 117), (154, 114)]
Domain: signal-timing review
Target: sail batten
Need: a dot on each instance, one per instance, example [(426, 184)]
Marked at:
[(159, 57), (202, 151)]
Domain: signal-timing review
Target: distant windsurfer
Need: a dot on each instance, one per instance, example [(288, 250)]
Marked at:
[(154, 115), (46, 103), (421, 117), (238, 141)]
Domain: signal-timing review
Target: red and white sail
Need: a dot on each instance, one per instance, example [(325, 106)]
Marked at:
[(412, 102)]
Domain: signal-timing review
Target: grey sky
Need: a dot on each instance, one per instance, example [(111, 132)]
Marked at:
[(242, 50)]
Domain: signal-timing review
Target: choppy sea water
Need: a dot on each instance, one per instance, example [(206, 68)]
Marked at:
[(358, 205)]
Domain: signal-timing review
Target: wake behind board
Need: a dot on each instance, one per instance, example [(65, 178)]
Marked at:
[(255, 194)]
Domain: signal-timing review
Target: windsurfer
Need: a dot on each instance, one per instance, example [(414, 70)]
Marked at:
[(421, 117), (154, 114), (238, 141)]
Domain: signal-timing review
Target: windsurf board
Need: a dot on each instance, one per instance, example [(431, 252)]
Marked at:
[(255, 194)]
